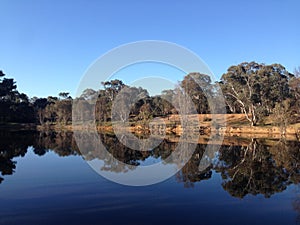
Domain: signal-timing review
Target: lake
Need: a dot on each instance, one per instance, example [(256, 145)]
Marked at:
[(45, 180)]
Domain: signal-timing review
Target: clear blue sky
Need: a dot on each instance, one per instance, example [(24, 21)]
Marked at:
[(47, 45)]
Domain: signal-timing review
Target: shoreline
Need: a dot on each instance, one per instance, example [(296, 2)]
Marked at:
[(227, 125), (228, 134)]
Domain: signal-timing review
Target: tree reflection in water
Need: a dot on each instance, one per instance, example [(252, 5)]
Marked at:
[(258, 167), (12, 146)]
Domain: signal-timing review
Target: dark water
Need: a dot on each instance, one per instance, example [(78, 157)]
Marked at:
[(44, 180)]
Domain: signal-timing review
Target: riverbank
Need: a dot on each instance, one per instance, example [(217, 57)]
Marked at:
[(18, 126), (206, 124), (223, 124)]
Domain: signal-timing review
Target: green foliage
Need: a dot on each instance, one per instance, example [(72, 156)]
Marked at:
[(254, 89), (197, 86), (257, 90), (64, 95), (14, 106)]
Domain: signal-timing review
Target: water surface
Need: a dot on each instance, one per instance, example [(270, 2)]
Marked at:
[(45, 180)]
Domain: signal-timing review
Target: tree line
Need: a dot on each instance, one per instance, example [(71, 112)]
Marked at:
[(256, 90), (16, 107)]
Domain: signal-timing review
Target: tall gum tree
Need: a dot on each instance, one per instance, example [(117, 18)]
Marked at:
[(255, 88)]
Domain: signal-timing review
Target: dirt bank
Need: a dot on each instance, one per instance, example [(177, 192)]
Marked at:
[(223, 124)]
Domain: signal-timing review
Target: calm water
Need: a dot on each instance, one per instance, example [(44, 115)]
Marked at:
[(45, 180)]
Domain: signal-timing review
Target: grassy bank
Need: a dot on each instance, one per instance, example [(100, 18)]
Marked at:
[(225, 124)]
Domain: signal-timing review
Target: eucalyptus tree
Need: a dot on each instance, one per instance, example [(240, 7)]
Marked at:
[(255, 88), (14, 106), (64, 95), (197, 85), (295, 87)]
